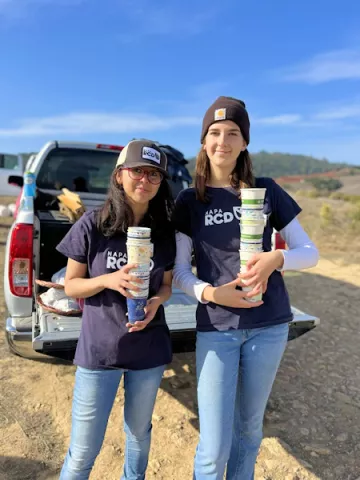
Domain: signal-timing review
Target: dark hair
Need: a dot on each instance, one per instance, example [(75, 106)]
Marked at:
[(241, 177), (116, 215)]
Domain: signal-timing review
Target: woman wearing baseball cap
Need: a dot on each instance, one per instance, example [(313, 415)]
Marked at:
[(239, 343), (109, 347)]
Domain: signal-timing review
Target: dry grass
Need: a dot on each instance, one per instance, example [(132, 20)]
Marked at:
[(4, 200), (333, 226)]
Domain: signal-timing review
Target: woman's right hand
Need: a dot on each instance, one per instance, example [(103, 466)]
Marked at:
[(228, 296), (122, 280)]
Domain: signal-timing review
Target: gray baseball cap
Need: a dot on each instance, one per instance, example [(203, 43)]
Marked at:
[(143, 153)]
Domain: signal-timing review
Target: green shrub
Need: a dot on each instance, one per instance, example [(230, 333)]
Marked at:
[(321, 183), (326, 214), (354, 216)]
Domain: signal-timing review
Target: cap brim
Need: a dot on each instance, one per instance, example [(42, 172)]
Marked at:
[(145, 164)]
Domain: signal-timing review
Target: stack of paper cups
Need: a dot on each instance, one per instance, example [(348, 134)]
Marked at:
[(140, 251), (251, 229)]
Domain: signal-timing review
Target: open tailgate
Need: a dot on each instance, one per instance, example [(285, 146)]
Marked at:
[(53, 332)]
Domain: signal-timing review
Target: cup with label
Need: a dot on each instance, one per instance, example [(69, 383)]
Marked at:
[(136, 308), (253, 198), (140, 242), (248, 214), (139, 253), (251, 247), (245, 256), (143, 276), (253, 217), (139, 233), (251, 233)]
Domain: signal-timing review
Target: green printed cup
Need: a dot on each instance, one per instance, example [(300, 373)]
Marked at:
[(252, 222), (250, 238), (251, 233), (253, 198)]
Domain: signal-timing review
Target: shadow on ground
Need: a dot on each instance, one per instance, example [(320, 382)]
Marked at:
[(314, 408), (15, 468)]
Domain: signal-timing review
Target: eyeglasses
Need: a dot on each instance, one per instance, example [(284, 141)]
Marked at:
[(137, 173)]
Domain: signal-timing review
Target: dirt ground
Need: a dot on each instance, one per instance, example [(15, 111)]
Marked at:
[(312, 428)]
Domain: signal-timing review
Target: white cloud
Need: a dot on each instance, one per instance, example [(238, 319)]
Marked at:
[(341, 113), (286, 119), (88, 123), (325, 67)]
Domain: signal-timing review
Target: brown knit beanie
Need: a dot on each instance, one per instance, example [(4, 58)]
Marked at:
[(227, 108)]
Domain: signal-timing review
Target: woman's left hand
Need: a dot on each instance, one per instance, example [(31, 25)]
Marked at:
[(260, 267), (150, 311)]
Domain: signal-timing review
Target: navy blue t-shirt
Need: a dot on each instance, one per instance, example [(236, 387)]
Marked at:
[(104, 340), (215, 232)]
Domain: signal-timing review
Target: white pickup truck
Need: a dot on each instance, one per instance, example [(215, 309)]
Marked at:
[(10, 164), (30, 254)]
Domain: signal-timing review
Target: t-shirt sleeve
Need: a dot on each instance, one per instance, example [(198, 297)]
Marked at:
[(181, 216), (283, 207), (75, 244)]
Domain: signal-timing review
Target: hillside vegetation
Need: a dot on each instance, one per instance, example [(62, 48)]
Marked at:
[(284, 164)]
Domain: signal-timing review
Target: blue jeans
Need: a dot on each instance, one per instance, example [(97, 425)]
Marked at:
[(235, 370), (94, 395)]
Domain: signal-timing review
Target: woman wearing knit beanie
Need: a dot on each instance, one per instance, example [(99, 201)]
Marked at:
[(240, 342)]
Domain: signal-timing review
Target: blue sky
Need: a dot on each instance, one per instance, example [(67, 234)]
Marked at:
[(111, 70)]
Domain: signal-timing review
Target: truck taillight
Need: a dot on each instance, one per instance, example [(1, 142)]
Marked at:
[(109, 147), (279, 242), (21, 260)]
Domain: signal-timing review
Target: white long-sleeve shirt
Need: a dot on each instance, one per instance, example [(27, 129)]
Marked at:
[(302, 253)]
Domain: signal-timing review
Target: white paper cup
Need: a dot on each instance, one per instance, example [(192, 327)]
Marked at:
[(251, 233), (250, 247), (254, 222), (257, 298), (141, 245), (243, 268), (141, 268), (252, 197), (251, 214), (139, 232), (143, 293), (245, 255), (139, 254), (139, 241), (144, 276), (252, 229)]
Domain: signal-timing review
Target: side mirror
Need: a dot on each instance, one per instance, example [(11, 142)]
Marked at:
[(16, 180)]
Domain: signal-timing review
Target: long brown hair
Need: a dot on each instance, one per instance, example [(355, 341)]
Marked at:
[(116, 215), (241, 177)]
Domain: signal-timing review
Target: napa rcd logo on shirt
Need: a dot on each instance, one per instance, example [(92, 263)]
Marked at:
[(217, 216), (116, 260), (151, 154)]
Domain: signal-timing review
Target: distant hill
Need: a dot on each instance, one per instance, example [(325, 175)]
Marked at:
[(277, 165), (284, 164)]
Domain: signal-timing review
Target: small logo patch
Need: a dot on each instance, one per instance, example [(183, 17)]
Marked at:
[(220, 114), (151, 154)]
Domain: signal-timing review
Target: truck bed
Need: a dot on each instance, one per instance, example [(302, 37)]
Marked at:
[(62, 332)]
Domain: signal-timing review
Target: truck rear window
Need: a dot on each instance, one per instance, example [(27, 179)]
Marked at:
[(78, 170)]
